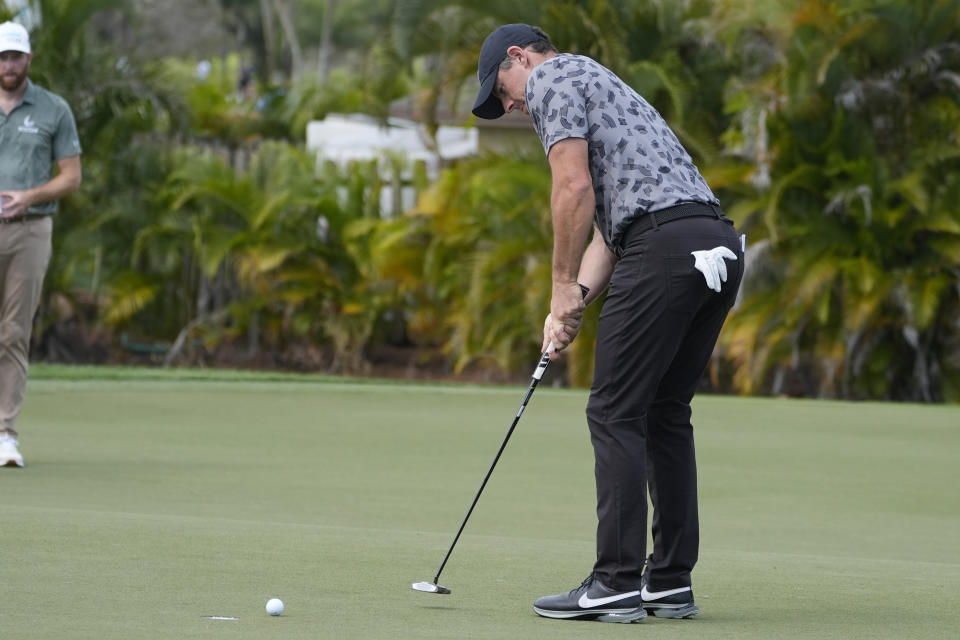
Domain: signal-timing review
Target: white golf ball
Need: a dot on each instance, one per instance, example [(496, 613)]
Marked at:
[(274, 606)]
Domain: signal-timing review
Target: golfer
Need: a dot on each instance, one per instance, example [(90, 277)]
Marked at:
[(39, 163), (673, 263)]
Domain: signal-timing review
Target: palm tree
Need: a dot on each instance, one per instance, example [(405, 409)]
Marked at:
[(476, 269), (857, 222), (240, 252)]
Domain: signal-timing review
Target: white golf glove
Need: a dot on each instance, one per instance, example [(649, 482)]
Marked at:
[(710, 263)]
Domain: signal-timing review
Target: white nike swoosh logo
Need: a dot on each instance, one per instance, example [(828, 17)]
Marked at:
[(646, 594), (587, 602)]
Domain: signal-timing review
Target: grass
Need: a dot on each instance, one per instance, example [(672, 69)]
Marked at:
[(152, 499)]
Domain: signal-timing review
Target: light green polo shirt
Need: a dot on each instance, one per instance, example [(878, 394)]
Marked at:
[(33, 137)]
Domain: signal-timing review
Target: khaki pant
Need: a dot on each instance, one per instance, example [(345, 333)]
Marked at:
[(24, 255)]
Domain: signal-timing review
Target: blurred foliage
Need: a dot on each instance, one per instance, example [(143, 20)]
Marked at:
[(828, 129), (852, 131)]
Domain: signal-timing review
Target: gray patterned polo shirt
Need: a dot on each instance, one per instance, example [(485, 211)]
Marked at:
[(636, 162)]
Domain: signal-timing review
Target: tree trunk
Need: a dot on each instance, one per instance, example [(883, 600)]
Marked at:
[(323, 67), (266, 23), (285, 15)]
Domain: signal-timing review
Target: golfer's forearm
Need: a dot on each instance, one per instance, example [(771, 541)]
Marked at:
[(52, 190), (66, 181), (596, 267)]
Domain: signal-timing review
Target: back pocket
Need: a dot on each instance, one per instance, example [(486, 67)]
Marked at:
[(685, 285)]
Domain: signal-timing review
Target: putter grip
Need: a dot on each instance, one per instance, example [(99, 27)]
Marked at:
[(544, 361)]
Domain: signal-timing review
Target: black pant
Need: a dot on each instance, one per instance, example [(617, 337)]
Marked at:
[(656, 333)]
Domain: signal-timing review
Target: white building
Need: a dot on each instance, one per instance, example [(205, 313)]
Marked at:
[(346, 138)]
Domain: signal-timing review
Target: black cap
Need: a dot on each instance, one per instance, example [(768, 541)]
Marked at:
[(492, 53)]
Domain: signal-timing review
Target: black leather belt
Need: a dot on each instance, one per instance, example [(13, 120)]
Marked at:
[(683, 210), (21, 218)]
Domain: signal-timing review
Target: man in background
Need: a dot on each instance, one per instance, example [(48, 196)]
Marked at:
[(37, 135), (661, 242)]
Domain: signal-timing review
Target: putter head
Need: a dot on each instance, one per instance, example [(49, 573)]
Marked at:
[(429, 587)]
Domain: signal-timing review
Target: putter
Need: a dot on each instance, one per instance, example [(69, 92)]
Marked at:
[(435, 587)]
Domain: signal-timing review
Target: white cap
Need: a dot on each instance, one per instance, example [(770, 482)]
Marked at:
[(13, 37)]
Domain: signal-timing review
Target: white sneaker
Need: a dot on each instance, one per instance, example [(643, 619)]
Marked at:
[(9, 455)]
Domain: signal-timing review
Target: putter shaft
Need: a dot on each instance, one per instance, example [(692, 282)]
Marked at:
[(534, 381)]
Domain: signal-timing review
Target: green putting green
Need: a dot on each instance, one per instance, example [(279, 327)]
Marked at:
[(152, 499)]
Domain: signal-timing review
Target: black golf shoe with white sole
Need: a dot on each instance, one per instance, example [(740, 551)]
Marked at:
[(593, 600), (669, 603)]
